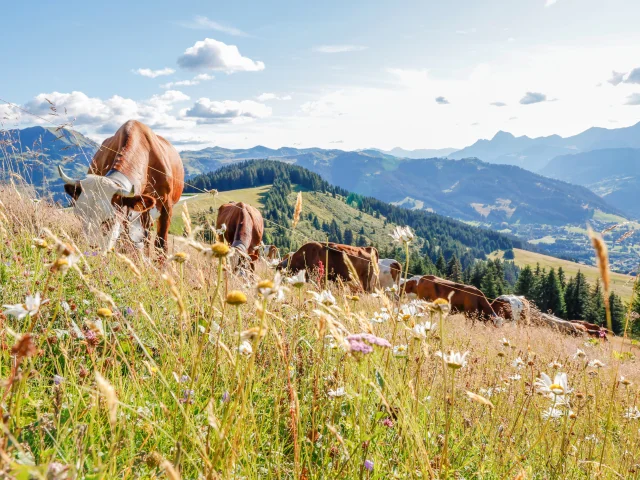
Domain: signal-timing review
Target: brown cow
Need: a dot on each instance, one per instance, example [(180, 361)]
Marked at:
[(465, 298), (270, 252), (310, 255), (512, 307), (411, 286), (244, 227), (592, 329), (131, 173)]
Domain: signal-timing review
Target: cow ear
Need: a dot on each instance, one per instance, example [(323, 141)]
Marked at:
[(74, 190), (137, 203)]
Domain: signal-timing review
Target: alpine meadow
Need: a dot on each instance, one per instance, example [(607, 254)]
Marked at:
[(340, 240)]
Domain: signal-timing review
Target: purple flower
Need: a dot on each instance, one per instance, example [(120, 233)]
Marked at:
[(57, 379), (358, 346), (186, 396), (387, 422), (184, 378), (129, 311), (356, 340), (368, 464), (225, 397)]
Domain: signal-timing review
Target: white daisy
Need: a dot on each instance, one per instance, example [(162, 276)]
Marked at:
[(325, 298), (454, 360), (30, 307), (402, 234)]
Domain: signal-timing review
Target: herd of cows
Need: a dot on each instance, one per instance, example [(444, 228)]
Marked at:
[(137, 177)]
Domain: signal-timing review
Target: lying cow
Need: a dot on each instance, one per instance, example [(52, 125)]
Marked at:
[(131, 173), (512, 307), (592, 329), (310, 255), (244, 228), (410, 287), (390, 272), (466, 298)]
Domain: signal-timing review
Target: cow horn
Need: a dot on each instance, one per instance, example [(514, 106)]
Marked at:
[(66, 178), (123, 192)]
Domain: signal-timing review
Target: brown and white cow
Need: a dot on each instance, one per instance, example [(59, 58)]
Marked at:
[(466, 298), (390, 272), (512, 307), (244, 227), (310, 255), (269, 252), (131, 173)]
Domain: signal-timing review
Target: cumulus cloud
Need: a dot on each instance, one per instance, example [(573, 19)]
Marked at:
[(210, 54), (105, 116), (265, 97), (200, 22), (147, 72), (633, 99), (498, 104), (203, 77), (616, 78), (533, 97), (634, 76), (226, 111), (338, 48), (442, 101)]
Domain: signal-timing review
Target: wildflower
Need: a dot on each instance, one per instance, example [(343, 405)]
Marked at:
[(325, 298), (552, 413), (104, 313), (354, 298), (392, 289), (64, 263), (402, 234), (479, 399), (625, 381), (29, 308), (179, 257), (368, 464), (515, 377), (400, 351), (187, 396), (518, 363), (440, 305), (406, 312), (387, 422), (225, 397), (591, 438), (40, 243), (58, 379), (380, 317), (252, 333), (298, 280), (222, 229), (632, 413), (420, 330), (595, 363), (338, 392), (505, 342), (364, 342), (579, 354), (555, 364), (556, 388), (330, 342), (245, 348), (221, 250), (455, 360), (269, 289), (236, 297)]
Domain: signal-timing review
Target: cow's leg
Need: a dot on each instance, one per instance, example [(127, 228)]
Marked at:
[(162, 235)]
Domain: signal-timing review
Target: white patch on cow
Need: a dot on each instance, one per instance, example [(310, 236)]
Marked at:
[(517, 305), (385, 278)]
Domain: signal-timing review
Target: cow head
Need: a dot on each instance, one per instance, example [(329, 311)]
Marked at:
[(103, 204)]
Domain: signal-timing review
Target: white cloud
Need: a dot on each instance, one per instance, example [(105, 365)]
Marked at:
[(442, 101), (200, 22), (533, 97), (226, 111), (147, 72), (210, 54), (203, 77), (466, 32), (616, 78), (633, 99), (338, 48), (265, 97), (105, 116), (550, 2), (498, 104)]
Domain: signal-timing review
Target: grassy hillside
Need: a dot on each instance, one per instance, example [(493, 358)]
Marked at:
[(135, 369), (621, 284)]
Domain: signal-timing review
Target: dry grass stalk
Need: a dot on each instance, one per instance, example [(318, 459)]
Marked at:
[(298, 210), (132, 266), (170, 470), (108, 392), (602, 257), (353, 274), (186, 218)]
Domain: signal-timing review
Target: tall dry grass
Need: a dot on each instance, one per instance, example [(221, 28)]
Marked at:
[(206, 374)]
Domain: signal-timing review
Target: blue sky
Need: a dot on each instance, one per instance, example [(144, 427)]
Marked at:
[(415, 74)]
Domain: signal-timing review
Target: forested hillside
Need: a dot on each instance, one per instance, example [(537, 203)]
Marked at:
[(451, 236)]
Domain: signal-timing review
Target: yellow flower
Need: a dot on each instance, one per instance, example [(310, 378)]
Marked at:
[(104, 313), (179, 257), (40, 243), (236, 297), (220, 249)]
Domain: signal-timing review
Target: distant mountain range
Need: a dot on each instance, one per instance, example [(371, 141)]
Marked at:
[(466, 189), (535, 153), (612, 173), (419, 153)]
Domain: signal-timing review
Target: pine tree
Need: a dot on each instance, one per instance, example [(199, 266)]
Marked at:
[(348, 236), (477, 274), (617, 314), (441, 265), (488, 284), (562, 278), (525, 283), (576, 297), (635, 310), (596, 311), (316, 223), (552, 297), (362, 241), (454, 270)]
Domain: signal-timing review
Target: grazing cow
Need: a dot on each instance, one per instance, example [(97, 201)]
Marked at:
[(592, 329), (390, 272), (411, 286), (131, 173), (465, 298), (511, 307), (310, 255), (270, 252), (244, 228)]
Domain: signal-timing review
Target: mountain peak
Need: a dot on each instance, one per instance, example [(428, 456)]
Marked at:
[(502, 135)]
